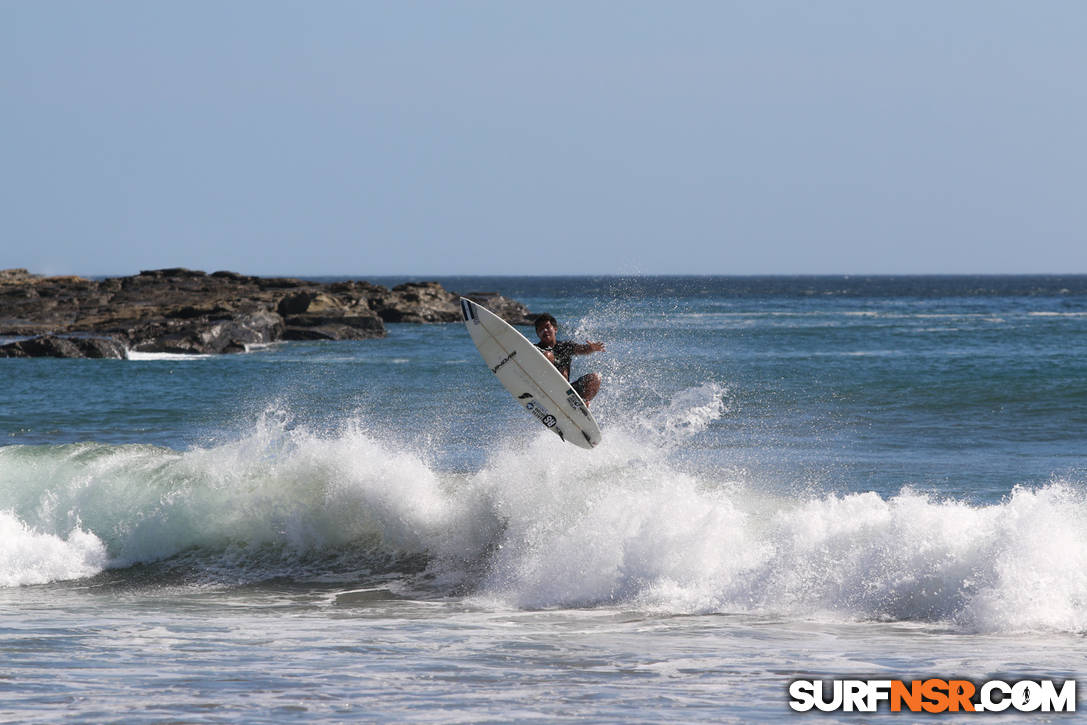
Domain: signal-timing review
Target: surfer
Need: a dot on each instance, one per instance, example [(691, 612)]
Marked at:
[(559, 352)]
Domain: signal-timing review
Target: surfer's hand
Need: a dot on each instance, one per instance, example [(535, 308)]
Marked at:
[(595, 346)]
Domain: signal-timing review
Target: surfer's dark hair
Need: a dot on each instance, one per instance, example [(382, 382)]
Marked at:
[(540, 319)]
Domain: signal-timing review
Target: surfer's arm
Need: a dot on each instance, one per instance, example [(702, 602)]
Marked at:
[(587, 348)]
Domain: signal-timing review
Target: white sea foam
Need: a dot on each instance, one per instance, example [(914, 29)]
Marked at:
[(151, 356), (250, 347), (32, 557), (542, 524), (652, 538), (689, 411)]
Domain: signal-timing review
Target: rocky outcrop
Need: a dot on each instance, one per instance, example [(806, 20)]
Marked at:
[(429, 302), (509, 310), (313, 315), (186, 311), (417, 302), (201, 335), (52, 346)]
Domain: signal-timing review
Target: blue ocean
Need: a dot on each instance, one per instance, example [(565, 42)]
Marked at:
[(800, 477)]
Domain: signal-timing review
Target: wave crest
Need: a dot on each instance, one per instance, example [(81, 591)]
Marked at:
[(542, 524)]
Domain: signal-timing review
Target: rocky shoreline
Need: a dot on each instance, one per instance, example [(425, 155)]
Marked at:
[(187, 311)]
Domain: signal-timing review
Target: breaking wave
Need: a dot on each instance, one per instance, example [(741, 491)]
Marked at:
[(544, 525)]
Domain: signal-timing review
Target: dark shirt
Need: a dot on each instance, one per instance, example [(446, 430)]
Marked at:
[(563, 351)]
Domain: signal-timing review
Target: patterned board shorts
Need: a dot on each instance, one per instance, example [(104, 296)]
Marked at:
[(580, 384)]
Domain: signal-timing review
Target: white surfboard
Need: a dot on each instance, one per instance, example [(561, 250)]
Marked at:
[(530, 377)]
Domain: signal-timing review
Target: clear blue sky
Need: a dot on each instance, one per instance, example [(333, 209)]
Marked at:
[(397, 137)]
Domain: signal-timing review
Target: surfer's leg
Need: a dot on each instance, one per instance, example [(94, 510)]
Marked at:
[(587, 386)]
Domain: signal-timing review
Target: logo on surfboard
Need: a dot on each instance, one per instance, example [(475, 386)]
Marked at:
[(503, 361), (541, 413), (575, 402)]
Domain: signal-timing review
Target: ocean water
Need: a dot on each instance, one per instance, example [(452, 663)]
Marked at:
[(800, 478)]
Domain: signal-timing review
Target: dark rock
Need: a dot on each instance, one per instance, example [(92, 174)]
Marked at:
[(223, 274), (100, 347), (172, 272), (310, 301), (315, 315), (42, 346), (216, 336), (189, 311), (416, 302), (53, 346), (266, 283), (364, 323), (509, 310), (17, 276)]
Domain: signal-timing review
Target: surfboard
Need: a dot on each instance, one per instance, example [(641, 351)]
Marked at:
[(530, 377)]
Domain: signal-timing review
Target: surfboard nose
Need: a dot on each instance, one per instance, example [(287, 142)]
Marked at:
[(467, 309)]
